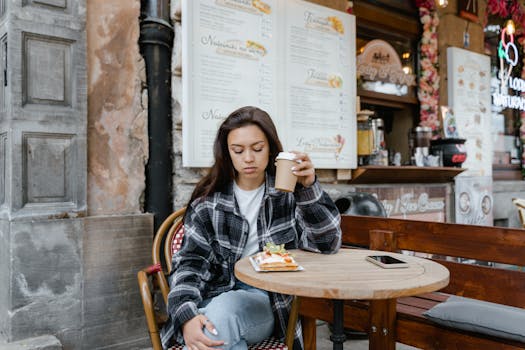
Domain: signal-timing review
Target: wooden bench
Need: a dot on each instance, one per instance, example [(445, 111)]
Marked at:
[(503, 285)]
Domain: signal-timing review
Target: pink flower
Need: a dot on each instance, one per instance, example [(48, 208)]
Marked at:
[(502, 9), (492, 6), (428, 4)]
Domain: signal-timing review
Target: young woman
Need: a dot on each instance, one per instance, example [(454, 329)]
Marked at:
[(233, 212)]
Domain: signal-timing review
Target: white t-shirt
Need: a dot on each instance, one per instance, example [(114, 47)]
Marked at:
[(250, 204)]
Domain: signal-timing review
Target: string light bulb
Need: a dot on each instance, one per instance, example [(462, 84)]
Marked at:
[(442, 3), (510, 26)]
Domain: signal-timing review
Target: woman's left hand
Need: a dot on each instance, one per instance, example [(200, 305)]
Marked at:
[(304, 169)]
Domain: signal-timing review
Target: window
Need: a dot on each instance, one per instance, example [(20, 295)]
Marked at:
[(507, 86)]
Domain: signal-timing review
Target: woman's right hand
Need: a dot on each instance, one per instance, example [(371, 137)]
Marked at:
[(194, 336)]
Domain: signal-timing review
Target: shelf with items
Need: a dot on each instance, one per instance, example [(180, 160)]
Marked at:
[(386, 100), (373, 174), (506, 172)]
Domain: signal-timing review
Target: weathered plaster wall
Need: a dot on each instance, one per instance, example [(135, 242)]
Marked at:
[(45, 280), (117, 103), (75, 279)]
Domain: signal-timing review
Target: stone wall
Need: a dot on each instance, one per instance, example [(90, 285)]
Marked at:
[(43, 146), (75, 279), (43, 109), (115, 248), (5, 268), (45, 280), (63, 273)]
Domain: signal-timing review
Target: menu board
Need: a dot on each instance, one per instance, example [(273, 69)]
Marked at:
[(293, 59), (469, 96)]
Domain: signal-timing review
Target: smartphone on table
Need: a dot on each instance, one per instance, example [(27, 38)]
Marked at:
[(386, 261)]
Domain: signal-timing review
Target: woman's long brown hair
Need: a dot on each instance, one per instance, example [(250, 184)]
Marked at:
[(222, 172)]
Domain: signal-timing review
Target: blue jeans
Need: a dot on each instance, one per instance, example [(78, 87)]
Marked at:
[(242, 316)]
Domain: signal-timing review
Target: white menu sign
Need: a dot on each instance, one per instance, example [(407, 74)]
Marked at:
[(469, 96), (293, 59)]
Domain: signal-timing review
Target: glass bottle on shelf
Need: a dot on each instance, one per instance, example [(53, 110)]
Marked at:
[(365, 137), (379, 152)]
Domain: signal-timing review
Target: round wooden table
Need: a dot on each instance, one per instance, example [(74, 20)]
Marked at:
[(347, 275)]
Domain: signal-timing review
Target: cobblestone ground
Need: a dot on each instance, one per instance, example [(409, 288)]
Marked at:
[(324, 342)]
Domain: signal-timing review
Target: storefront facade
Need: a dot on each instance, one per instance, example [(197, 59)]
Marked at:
[(110, 125), (399, 25)]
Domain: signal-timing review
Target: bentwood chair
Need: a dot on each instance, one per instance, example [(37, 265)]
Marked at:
[(154, 287), (520, 203)]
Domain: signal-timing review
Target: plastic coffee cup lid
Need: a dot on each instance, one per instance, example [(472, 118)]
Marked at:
[(365, 112), (286, 155), (423, 129)]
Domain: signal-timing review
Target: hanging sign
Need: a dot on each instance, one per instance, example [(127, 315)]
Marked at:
[(469, 96), (379, 61)]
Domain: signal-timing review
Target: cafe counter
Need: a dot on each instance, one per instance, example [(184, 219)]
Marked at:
[(407, 192)]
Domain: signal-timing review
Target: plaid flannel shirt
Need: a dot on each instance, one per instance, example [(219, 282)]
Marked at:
[(215, 234)]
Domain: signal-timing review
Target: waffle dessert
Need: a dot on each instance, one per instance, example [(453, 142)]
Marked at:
[(275, 258)]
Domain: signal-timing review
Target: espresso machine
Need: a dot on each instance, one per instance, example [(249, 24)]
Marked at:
[(419, 144)]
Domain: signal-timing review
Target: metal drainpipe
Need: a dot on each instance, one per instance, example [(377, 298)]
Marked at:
[(156, 41)]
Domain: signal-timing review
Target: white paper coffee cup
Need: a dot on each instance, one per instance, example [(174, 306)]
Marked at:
[(285, 179)]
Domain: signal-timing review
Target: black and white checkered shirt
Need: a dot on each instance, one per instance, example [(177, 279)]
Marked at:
[(215, 234)]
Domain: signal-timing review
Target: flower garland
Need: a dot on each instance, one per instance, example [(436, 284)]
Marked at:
[(428, 85), (507, 9)]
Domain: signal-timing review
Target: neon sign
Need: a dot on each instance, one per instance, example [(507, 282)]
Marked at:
[(508, 53), (503, 53)]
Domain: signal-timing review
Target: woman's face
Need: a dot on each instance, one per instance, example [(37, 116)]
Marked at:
[(249, 151)]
